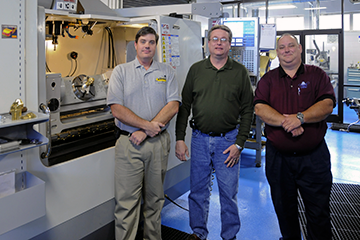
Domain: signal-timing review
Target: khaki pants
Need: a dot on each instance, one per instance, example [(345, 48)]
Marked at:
[(139, 174)]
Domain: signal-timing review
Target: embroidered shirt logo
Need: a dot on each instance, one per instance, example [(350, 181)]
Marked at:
[(303, 84), (161, 79)]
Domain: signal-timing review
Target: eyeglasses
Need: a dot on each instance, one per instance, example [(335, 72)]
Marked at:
[(215, 39)]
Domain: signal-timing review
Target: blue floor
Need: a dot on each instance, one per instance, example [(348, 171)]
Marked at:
[(258, 219)]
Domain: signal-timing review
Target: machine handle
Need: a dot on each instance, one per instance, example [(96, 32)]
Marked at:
[(45, 109)]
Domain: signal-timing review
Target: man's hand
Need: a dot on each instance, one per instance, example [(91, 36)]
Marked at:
[(233, 157), (153, 128), (181, 150), (290, 122), (297, 131), (137, 137)]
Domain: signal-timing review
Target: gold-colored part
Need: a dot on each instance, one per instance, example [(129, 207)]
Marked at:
[(264, 65), (19, 102), (16, 109), (89, 82), (82, 113), (29, 116), (77, 132), (272, 54)]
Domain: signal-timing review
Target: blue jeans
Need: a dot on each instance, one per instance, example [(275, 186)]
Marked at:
[(206, 154)]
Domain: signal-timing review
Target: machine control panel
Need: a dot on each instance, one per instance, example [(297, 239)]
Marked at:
[(244, 44)]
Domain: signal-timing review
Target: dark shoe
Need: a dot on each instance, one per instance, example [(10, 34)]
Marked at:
[(193, 237)]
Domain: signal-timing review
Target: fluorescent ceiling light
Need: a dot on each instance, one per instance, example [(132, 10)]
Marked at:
[(315, 8), (273, 7)]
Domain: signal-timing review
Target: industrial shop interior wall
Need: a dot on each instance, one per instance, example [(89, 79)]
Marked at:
[(92, 50)]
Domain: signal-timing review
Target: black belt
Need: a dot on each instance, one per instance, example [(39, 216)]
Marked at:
[(211, 134), (119, 132), (122, 132)]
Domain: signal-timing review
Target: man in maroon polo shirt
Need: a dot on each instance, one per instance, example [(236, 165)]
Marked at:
[(294, 100)]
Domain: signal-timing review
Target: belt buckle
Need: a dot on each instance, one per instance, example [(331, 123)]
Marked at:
[(212, 134)]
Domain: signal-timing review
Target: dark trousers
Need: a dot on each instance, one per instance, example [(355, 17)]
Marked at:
[(311, 176)]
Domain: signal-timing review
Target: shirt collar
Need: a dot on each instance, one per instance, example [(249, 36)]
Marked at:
[(300, 70), (154, 64), (228, 65)]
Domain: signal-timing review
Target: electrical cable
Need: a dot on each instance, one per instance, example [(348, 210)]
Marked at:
[(70, 75), (175, 203), (69, 34), (111, 50), (211, 183), (75, 68), (47, 67), (109, 53)]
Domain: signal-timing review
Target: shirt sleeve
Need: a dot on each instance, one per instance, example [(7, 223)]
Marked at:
[(247, 110), (325, 88), (172, 91), (115, 94), (185, 108), (262, 93)]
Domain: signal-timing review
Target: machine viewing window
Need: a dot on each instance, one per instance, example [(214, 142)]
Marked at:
[(244, 31)]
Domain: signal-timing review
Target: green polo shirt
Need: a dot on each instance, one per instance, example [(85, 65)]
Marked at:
[(219, 99)]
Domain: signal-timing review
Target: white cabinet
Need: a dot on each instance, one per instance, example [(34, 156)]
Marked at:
[(27, 203)]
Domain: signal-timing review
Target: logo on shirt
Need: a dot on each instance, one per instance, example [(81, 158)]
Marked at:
[(303, 84), (161, 79)]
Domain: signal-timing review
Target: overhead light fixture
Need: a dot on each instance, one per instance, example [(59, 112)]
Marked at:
[(274, 7), (315, 8)]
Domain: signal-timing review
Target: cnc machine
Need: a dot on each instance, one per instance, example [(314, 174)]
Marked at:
[(63, 67)]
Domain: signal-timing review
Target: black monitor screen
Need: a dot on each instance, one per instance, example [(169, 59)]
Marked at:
[(243, 30)]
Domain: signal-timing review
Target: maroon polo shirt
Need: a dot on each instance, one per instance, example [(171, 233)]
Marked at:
[(292, 95)]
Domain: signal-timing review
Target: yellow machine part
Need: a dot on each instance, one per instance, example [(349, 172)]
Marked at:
[(264, 65)]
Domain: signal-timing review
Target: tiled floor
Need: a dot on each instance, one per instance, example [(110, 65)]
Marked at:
[(257, 214)]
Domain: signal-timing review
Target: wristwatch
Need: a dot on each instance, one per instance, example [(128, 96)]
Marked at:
[(238, 147), (300, 116)]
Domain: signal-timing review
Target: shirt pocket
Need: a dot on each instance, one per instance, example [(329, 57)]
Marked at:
[(231, 92), (306, 98)]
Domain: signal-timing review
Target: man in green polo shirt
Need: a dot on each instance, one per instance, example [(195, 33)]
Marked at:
[(219, 93)]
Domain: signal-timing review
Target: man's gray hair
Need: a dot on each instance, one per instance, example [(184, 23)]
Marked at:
[(222, 27)]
